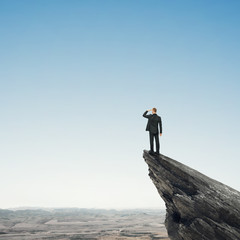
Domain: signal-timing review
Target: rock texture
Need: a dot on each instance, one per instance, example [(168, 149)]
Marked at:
[(198, 207)]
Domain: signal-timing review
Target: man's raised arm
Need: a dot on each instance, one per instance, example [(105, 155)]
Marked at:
[(145, 114)]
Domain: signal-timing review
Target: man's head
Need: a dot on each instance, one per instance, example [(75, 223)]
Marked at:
[(154, 110)]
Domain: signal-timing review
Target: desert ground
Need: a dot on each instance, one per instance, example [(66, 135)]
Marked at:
[(76, 224)]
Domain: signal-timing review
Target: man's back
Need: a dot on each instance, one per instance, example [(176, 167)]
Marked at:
[(153, 121)]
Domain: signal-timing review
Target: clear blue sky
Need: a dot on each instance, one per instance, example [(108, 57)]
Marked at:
[(76, 77)]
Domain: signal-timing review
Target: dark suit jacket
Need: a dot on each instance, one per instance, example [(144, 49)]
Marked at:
[(153, 121)]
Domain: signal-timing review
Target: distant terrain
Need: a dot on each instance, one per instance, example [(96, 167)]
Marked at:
[(82, 224)]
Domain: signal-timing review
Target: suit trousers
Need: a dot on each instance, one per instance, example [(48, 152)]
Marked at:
[(151, 137)]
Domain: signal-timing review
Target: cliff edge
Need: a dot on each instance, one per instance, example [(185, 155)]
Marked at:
[(198, 207)]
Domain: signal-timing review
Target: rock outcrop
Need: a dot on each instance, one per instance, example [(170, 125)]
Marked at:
[(198, 207)]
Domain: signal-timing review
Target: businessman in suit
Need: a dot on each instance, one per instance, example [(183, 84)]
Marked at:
[(152, 126)]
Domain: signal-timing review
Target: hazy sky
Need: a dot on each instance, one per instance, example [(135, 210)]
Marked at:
[(76, 77)]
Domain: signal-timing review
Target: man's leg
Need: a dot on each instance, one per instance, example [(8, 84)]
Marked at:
[(151, 141), (157, 143)]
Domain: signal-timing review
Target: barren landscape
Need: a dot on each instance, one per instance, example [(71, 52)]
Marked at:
[(76, 224)]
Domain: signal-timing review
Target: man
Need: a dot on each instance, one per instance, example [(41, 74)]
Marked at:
[(152, 126)]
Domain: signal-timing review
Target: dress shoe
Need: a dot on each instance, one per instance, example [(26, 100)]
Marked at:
[(151, 152)]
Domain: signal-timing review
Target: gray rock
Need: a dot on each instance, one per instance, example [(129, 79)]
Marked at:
[(198, 207)]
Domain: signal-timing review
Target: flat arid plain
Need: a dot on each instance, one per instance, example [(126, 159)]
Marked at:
[(76, 224)]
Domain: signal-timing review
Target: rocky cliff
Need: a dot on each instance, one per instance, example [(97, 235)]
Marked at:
[(198, 207)]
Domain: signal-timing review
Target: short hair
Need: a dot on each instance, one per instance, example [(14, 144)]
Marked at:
[(154, 109)]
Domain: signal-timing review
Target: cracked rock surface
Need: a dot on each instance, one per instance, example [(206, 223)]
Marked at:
[(198, 207)]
